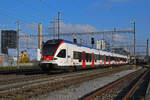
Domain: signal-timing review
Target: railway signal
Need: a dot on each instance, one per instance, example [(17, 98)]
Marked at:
[(92, 42), (75, 40)]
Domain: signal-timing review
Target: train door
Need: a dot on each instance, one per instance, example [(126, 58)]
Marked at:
[(83, 59), (109, 61), (116, 60), (104, 60), (93, 60)]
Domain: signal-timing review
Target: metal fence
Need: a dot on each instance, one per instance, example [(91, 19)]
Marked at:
[(6, 60)]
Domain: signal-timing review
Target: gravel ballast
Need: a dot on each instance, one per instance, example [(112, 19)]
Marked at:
[(77, 91)]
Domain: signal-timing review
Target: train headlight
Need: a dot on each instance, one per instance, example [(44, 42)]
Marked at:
[(54, 58)]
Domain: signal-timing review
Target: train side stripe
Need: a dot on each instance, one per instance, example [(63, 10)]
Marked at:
[(58, 47)]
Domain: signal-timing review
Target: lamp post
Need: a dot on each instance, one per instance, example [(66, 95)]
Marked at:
[(18, 29), (147, 51), (134, 31)]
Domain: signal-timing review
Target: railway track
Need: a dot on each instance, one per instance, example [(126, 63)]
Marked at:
[(126, 88), (34, 70), (25, 76), (42, 86)]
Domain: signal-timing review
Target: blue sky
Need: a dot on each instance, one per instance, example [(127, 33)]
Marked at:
[(97, 15)]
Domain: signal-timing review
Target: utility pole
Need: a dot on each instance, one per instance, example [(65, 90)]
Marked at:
[(103, 36), (18, 29), (112, 41), (58, 24), (147, 51), (134, 43), (102, 42), (54, 28), (27, 39)]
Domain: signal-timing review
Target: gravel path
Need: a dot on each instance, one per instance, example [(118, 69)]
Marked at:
[(77, 91)]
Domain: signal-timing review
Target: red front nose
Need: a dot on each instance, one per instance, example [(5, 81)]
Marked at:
[(44, 57), (48, 58)]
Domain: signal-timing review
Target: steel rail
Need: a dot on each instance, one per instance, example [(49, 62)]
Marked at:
[(111, 85), (132, 91)]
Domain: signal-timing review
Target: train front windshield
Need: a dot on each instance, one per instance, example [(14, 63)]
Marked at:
[(49, 49)]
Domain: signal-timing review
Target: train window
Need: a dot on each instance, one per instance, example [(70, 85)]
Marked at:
[(97, 57), (101, 57), (75, 55), (49, 49), (90, 57), (112, 58), (107, 58), (80, 56), (62, 53), (87, 57), (120, 59)]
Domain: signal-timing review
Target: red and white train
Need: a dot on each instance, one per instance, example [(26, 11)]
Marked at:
[(62, 54)]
